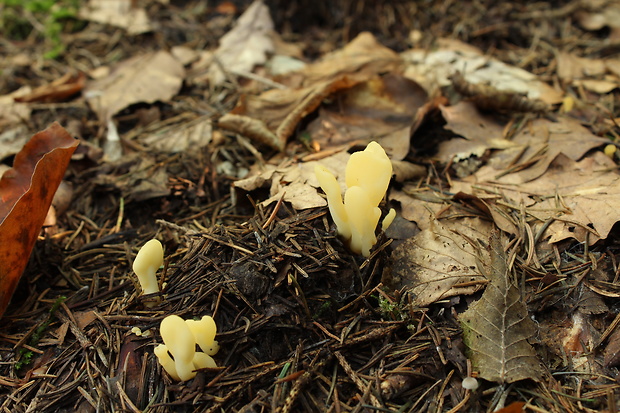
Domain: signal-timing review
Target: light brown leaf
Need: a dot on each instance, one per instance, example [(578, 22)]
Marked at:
[(497, 327), (360, 60), (600, 14), (296, 183), (538, 144), (596, 75), (571, 66), (581, 197), (272, 117), (192, 134), (119, 13), (144, 78), (480, 133), (246, 45), (12, 113), (439, 262), (382, 109)]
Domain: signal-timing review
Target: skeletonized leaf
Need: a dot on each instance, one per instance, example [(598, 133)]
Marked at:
[(439, 262), (496, 328)]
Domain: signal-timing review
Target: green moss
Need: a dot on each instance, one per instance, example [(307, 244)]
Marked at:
[(47, 19), (24, 356)]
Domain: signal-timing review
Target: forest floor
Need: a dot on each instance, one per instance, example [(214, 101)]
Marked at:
[(200, 124)]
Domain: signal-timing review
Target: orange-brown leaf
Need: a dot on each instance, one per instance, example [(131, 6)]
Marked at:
[(58, 91), (26, 193)]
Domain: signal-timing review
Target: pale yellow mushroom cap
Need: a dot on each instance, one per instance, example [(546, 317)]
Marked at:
[(181, 344), (204, 333), (147, 262), (367, 177), (370, 169)]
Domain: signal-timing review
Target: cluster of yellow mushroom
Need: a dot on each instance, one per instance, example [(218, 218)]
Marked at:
[(367, 177), (178, 355)]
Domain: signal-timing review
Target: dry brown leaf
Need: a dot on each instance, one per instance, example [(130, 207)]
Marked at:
[(12, 140), (480, 133), (405, 171), (12, 113), (419, 205), (57, 91), (596, 75), (612, 350), (296, 183), (271, 117), (138, 177), (180, 137), (246, 45), (382, 109), (539, 143), (497, 327), (360, 60), (601, 14), (581, 197), (144, 78), (119, 13), (571, 66), (439, 262), (600, 86), (588, 192)]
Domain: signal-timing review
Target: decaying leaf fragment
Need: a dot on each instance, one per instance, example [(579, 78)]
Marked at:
[(246, 45), (496, 328), (439, 262), (271, 117), (142, 78)]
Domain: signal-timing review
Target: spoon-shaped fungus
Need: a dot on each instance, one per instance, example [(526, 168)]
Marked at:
[(180, 339), (367, 177), (161, 351), (147, 262), (180, 342), (204, 332)]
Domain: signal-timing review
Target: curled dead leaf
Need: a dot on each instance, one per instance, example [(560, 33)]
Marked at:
[(26, 193), (57, 91)]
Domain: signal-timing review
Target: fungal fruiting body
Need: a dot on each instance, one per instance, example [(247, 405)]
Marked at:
[(470, 383), (367, 177), (147, 262), (178, 355)]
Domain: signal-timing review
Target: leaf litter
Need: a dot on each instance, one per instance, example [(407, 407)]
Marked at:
[(306, 326), (496, 328)]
